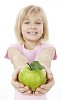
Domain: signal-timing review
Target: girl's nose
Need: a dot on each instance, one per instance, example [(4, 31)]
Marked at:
[(32, 26)]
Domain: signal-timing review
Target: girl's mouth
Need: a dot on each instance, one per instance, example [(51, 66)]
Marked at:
[(32, 33)]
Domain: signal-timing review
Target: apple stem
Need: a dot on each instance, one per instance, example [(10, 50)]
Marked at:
[(29, 66)]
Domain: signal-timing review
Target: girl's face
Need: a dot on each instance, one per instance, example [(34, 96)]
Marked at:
[(32, 28)]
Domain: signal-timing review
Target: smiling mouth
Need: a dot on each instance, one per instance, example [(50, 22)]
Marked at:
[(32, 33)]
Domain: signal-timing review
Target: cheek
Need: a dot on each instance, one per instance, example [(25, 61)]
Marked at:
[(41, 29), (23, 30)]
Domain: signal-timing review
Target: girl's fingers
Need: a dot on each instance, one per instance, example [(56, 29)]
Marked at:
[(16, 84), (29, 92), (44, 88), (38, 89), (14, 80), (41, 91), (44, 91), (48, 85), (37, 93), (19, 86), (23, 89)]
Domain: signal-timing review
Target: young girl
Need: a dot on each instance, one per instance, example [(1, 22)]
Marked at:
[(32, 33)]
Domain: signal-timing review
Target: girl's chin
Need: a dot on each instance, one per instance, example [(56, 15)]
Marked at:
[(32, 39)]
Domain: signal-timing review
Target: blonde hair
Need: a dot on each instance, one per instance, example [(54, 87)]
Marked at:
[(25, 13)]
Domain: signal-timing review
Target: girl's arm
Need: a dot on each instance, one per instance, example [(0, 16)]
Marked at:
[(46, 57), (16, 57), (19, 61)]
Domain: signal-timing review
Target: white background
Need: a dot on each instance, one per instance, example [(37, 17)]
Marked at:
[(8, 12)]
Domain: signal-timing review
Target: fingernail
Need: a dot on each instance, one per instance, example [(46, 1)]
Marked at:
[(26, 87), (42, 86), (22, 85)]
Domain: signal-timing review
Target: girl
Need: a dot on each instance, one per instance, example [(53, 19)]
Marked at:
[(32, 33)]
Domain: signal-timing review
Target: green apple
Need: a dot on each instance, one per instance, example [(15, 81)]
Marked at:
[(32, 75)]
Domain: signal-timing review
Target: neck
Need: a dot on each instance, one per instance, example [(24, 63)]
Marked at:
[(30, 45)]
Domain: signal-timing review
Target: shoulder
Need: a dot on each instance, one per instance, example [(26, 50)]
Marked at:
[(12, 49), (15, 47), (47, 45)]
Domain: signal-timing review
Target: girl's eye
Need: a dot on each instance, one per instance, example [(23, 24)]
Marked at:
[(37, 22), (27, 23)]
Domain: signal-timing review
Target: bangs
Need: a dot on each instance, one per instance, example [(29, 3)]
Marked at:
[(32, 11)]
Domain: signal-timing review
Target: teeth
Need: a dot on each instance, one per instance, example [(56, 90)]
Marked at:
[(32, 33)]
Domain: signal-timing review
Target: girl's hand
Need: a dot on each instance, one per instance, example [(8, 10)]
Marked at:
[(19, 86), (45, 88)]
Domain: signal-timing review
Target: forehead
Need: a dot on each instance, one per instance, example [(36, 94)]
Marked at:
[(36, 17), (33, 12), (33, 17)]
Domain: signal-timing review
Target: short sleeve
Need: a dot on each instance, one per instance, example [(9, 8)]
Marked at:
[(18, 46), (55, 56), (46, 45)]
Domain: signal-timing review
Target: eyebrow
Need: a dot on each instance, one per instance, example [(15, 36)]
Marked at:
[(39, 19)]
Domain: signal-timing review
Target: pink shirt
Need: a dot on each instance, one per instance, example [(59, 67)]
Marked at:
[(30, 55)]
